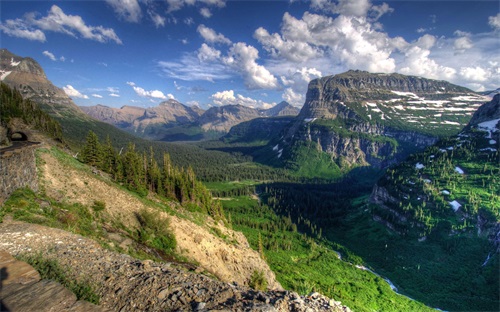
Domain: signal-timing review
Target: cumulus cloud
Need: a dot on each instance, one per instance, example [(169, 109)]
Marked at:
[(32, 28), (49, 55), (294, 50), (476, 74), (152, 94), (494, 22), (349, 40), (72, 92), (296, 83), (462, 44), (243, 58), (205, 12), (21, 29), (128, 10), (228, 97), (208, 54), (211, 36), (224, 98), (97, 96)]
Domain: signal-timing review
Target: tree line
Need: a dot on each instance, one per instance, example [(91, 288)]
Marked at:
[(140, 172)]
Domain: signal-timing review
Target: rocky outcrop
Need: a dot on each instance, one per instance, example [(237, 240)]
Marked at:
[(488, 111), (23, 290), (127, 284)]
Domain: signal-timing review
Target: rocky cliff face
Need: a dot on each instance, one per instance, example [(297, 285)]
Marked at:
[(488, 111), (27, 76), (361, 118)]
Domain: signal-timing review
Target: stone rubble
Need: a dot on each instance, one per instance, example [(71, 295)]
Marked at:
[(128, 284)]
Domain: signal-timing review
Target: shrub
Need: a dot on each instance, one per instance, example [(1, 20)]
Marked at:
[(98, 206), (155, 231), (258, 281)]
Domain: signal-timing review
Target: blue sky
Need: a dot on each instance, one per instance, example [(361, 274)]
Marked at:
[(255, 53)]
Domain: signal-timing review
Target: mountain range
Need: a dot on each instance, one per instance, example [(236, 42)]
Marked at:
[(160, 122)]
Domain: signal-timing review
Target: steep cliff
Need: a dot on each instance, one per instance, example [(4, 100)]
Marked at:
[(359, 118)]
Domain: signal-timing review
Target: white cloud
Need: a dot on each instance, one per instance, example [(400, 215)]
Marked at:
[(21, 29), (462, 44), (193, 103), (114, 95), (242, 58), (211, 36), (128, 10), (62, 59), (157, 19), (113, 89), (152, 94), (224, 98), (343, 7), (57, 21), (189, 21), (296, 51), (494, 22), (175, 5), (49, 55), (228, 97), (296, 83), (418, 62), (476, 74), (72, 92), (189, 68), (346, 40), (205, 12), (208, 54), (97, 96), (296, 99)]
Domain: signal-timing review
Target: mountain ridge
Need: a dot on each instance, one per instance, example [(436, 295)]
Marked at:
[(154, 121)]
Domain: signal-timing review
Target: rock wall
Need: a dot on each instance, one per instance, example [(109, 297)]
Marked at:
[(17, 169)]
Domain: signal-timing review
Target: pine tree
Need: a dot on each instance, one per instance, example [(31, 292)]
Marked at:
[(91, 152)]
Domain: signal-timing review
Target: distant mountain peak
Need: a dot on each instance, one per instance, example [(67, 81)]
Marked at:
[(27, 76)]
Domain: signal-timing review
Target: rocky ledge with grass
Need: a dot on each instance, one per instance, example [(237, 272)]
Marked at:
[(123, 283)]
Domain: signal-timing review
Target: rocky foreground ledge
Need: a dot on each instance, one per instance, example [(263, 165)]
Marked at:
[(127, 284)]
